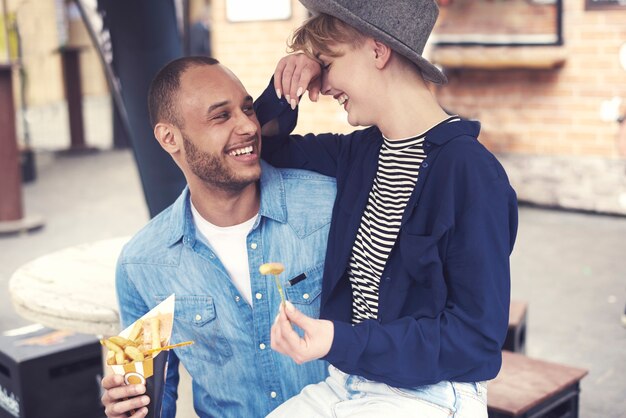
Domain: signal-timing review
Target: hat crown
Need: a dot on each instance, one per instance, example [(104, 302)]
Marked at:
[(408, 21)]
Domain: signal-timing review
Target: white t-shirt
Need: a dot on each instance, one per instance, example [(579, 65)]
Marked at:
[(229, 243)]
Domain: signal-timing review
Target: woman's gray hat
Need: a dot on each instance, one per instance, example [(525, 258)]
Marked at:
[(404, 25)]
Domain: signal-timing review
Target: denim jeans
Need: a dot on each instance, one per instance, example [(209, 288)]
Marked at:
[(343, 396)]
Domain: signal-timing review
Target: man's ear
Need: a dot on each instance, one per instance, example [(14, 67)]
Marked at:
[(382, 53), (167, 135)]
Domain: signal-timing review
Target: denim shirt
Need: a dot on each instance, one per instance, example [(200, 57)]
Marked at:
[(235, 373)]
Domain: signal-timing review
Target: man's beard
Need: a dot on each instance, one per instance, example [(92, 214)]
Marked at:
[(212, 169)]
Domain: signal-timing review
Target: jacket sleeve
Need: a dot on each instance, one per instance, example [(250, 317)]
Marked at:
[(468, 333), (132, 307), (318, 153)]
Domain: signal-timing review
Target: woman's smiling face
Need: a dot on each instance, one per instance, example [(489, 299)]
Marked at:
[(348, 77)]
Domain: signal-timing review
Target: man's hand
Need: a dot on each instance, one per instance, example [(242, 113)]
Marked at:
[(318, 335), (118, 398), (295, 74)]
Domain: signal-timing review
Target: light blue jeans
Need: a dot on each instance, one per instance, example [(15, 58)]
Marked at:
[(348, 396)]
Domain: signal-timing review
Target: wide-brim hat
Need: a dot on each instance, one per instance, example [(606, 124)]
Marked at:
[(404, 25)]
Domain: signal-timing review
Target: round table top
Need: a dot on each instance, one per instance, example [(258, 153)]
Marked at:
[(71, 289)]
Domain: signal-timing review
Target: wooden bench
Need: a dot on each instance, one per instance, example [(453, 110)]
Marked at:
[(516, 334), (529, 388)]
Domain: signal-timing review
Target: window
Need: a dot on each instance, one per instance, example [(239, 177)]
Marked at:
[(604, 4), (499, 23)]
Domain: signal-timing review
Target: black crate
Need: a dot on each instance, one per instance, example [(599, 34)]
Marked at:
[(50, 374)]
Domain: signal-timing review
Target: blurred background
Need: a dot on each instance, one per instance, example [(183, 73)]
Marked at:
[(546, 78)]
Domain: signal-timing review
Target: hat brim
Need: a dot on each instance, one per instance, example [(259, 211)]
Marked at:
[(429, 71)]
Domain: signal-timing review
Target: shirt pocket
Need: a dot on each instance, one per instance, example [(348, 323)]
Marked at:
[(305, 294), (420, 257), (195, 318)]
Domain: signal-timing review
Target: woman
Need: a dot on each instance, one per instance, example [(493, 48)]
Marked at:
[(415, 297)]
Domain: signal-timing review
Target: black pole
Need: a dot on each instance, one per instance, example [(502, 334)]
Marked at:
[(144, 37)]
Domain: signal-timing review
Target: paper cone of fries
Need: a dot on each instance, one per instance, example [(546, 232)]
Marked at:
[(139, 353)]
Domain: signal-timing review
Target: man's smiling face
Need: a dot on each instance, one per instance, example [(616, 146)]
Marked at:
[(220, 132)]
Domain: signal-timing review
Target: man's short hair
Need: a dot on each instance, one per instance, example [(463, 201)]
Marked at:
[(165, 86)]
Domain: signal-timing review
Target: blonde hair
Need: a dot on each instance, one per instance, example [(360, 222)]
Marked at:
[(318, 34)]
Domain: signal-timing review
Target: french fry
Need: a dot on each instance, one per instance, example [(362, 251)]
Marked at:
[(136, 331), (112, 346), (155, 333), (110, 357), (134, 353), (275, 269), (120, 358), (122, 342), (271, 268)]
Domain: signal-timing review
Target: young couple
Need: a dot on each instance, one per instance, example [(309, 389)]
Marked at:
[(415, 285)]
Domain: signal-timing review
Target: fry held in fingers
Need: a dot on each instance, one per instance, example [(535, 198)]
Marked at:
[(274, 269)]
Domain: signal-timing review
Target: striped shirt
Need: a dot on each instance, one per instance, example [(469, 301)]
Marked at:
[(399, 162)]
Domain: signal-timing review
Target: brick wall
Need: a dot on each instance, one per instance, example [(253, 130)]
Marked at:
[(544, 124), (503, 17), (529, 116)]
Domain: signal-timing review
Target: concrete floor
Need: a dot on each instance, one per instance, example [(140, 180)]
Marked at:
[(569, 267)]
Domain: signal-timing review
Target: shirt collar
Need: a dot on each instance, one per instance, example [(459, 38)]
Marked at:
[(273, 198), (273, 205), (444, 132)]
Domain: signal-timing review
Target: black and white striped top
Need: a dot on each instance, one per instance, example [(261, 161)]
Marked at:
[(399, 162)]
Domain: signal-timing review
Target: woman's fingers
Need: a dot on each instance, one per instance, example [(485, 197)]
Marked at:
[(283, 338), (296, 74)]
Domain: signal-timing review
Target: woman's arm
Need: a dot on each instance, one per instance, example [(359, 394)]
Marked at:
[(278, 116)]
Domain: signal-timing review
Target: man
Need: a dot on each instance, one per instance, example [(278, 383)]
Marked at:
[(235, 214)]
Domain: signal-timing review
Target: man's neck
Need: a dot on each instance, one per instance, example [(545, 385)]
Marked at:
[(225, 208)]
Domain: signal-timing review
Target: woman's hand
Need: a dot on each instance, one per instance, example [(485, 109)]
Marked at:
[(295, 74), (318, 335)]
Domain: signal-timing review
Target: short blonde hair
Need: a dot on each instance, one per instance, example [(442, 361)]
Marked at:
[(318, 34)]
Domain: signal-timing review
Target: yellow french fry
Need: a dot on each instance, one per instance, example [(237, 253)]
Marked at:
[(112, 346), (120, 358), (134, 353), (136, 331), (271, 268), (121, 341), (274, 269), (110, 357)]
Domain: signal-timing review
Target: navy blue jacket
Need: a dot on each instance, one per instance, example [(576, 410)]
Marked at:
[(445, 291)]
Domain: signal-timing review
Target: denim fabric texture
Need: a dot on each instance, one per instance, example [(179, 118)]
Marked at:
[(349, 396), (235, 373)]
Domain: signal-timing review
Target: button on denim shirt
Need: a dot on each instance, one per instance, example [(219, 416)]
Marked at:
[(235, 372)]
